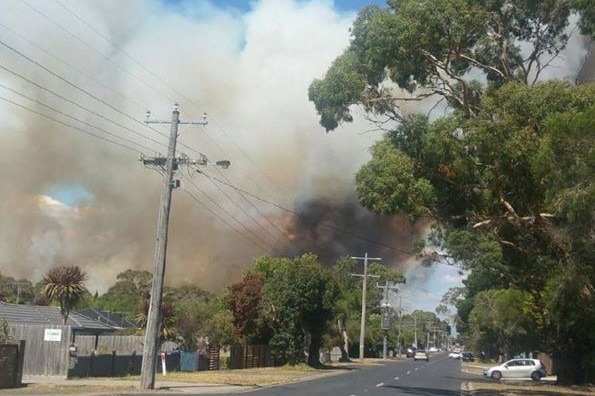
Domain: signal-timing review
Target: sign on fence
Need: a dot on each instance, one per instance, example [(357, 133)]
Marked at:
[(52, 335)]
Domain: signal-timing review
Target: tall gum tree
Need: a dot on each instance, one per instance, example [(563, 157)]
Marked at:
[(507, 176), (414, 49)]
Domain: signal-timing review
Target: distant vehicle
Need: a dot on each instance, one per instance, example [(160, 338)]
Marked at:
[(433, 349), (410, 352), (454, 355), (517, 368), (467, 357), (421, 354)]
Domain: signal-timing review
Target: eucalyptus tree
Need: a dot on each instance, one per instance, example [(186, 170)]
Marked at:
[(412, 50), (506, 178), (298, 300)]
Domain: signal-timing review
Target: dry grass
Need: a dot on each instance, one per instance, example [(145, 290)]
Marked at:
[(247, 377), (66, 389)]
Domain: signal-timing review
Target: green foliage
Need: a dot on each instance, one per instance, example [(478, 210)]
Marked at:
[(387, 184), (65, 285), (126, 295), (501, 323), (429, 47), (16, 291), (511, 192), (5, 333), (297, 301)]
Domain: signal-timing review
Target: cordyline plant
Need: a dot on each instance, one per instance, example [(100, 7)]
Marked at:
[(64, 285), (167, 319)]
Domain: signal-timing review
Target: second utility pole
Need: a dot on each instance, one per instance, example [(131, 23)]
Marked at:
[(362, 330)]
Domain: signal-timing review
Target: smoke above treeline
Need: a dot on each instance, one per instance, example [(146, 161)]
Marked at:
[(70, 198), (74, 192)]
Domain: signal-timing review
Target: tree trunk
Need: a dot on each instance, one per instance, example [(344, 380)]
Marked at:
[(344, 347), (314, 350), (569, 368)]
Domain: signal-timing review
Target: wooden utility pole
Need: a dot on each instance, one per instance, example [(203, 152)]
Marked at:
[(147, 379), (365, 275), (385, 325)]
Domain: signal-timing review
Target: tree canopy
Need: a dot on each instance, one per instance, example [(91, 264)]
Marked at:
[(506, 176)]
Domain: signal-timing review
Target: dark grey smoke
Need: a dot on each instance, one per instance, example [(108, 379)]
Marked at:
[(341, 227)]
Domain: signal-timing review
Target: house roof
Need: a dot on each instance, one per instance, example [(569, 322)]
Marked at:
[(109, 318), (48, 315)]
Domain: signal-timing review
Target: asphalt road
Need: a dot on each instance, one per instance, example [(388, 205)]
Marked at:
[(440, 376)]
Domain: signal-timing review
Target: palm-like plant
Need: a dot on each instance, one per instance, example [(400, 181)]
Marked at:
[(64, 285), (167, 319)]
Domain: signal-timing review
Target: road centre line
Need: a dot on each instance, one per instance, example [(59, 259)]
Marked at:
[(379, 385)]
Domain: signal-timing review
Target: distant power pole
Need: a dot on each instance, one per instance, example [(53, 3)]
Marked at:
[(147, 379), (365, 275), (385, 316)]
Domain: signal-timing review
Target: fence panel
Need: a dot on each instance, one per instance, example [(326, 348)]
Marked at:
[(44, 355), (122, 344)]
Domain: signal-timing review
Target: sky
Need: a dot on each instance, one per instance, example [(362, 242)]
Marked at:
[(75, 83)]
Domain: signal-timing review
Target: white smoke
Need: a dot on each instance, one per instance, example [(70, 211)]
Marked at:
[(250, 73)]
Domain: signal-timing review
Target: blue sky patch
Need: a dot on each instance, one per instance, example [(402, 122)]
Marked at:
[(71, 195)]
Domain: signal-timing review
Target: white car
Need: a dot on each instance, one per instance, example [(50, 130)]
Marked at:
[(517, 368), (454, 355)]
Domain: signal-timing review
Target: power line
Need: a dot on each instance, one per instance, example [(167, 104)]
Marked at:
[(79, 105), (69, 125), (230, 215), (195, 199), (72, 117), (172, 88), (246, 212), (79, 71), (96, 31), (82, 90), (324, 224), (77, 38), (86, 109)]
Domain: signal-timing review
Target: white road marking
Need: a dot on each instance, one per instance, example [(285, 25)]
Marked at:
[(408, 372), (379, 385), (396, 378)]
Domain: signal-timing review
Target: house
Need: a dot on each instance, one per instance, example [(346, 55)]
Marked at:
[(112, 319)]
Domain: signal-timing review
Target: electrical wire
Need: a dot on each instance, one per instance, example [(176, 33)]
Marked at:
[(229, 214), (69, 125), (79, 105), (39, 48), (177, 92), (72, 117), (324, 224)]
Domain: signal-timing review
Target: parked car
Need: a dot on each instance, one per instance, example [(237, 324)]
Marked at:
[(467, 357), (410, 352), (517, 368), (421, 354)]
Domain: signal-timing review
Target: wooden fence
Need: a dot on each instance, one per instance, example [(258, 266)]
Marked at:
[(119, 343), (44, 355), (250, 356)]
